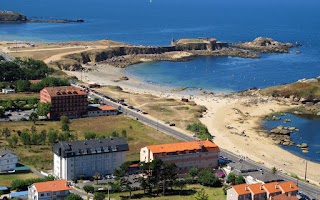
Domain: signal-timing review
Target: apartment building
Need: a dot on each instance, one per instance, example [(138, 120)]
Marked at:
[(201, 154), (73, 160), (65, 100), (261, 191)]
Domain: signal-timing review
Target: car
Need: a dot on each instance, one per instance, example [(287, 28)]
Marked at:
[(143, 112), (172, 124), (113, 176), (166, 122), (108, 176), (260, 169), (130, 107)]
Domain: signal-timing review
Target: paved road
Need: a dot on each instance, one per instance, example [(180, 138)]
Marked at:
[(6, 56), (312, 191)]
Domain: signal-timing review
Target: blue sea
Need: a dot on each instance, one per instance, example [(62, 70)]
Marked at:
[(155, 22)]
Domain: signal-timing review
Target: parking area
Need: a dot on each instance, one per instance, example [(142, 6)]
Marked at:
[(19, 115)]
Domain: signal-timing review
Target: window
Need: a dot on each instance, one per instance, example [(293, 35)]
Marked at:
[(42, 195)]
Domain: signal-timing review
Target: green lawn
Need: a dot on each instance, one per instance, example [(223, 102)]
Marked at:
[(213, 193), (5, 180)]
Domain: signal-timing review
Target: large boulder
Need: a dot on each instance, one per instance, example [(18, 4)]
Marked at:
[(304, 145)]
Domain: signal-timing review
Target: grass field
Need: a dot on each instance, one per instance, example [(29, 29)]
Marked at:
[(40, 156), (19, 95), (175, 111), (214, 194), (5, 180)]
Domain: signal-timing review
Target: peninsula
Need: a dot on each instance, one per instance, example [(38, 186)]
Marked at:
[(13, 17)]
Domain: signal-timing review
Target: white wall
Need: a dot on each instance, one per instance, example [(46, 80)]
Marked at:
[(8, 162)]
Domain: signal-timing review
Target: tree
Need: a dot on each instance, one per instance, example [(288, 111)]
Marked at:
[(181, 184), (193, 172), (124, 133), (33, 117), (96, 176), (239, 180), (274, 170), (13, 141), (123, 176), (207, 178), (65, 126), (202, 195), (88, 135), (23, 85), (64, 119), (43, 109), (52, 136), (43, 136), (25, 137), (114, 134), (98, 196), (231, 178), (6, 132), (73, 197), (88, 189)]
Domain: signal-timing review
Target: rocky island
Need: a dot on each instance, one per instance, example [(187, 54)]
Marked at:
[(13, 17)]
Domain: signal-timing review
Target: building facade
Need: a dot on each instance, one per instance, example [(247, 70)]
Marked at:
[(58, 190), (200, 154), (261, 191), (73, 160), (66, 100), (8, 160), (105, 110)]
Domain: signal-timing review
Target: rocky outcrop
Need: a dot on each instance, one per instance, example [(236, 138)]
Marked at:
[(11, 17), (265, 45)]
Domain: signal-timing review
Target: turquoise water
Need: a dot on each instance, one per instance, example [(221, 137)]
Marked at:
[(145, 22), (308, 133)]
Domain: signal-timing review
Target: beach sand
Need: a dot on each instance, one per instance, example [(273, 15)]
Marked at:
[(233, 120)]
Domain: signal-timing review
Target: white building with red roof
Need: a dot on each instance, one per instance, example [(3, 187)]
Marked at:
[(200, 154), (58, 190)]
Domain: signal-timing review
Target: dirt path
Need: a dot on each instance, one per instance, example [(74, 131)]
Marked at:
[(59, 56)]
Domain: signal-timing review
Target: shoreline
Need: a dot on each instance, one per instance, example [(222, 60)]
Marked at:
[(227, 116)]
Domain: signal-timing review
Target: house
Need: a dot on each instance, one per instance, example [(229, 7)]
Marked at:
[(8, 160), (65, 100), (72, 160), (261, 191), (57, 189), (200, 154), (8, 91), (239, 192), (289, 188), (272, 189), (105, 110), (257, 191)]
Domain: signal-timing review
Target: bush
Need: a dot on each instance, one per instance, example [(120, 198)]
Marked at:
[(201, 130), (21, 185)]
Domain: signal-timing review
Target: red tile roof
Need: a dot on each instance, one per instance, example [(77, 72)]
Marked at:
[(52, 186), (34, 81), (272, 187), (241, 189), (288, 186), (256, 188), (64, 91), (183, 146), (107, 107), (284, 197)]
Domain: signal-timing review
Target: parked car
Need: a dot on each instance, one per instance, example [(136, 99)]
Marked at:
[(130, 107), (166, 122), (172, 124)]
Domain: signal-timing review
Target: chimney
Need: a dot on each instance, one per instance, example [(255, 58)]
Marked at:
[(246, 188), (291, 186), (261, 187), (276, 186)]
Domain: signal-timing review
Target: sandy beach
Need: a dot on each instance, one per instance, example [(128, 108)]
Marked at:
[(233, 120)]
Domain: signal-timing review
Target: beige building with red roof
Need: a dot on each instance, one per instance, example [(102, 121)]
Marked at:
[(65, 100), (57, 189), (105, 110), (200, 154), (261, 191)]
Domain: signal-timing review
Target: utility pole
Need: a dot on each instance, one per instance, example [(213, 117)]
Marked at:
[(305, 173)]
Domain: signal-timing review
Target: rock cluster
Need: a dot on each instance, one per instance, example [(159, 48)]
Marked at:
[(304, 147), (281, 135), (265, 45)]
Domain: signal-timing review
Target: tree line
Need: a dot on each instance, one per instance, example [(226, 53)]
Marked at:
[(19, 69)]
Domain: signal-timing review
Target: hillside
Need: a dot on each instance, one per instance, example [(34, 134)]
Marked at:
[(9, 16)]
